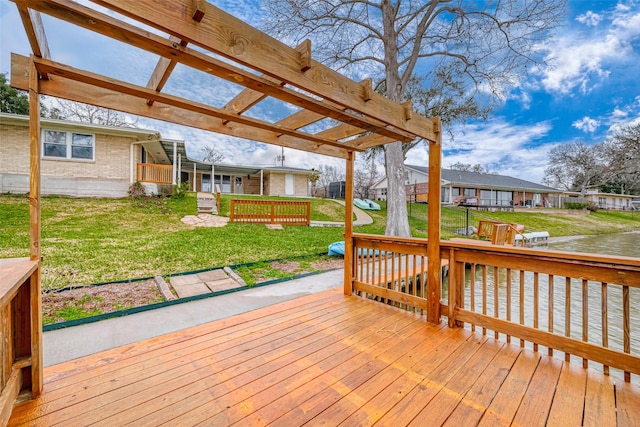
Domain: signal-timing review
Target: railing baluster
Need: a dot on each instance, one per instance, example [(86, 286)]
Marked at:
[(605, 322), (550, 310), (535, 305), (521, 303), (585, 317), (626, 327), (496, 303), (484, 295), (567, 313), (472, 299), (508, 300)]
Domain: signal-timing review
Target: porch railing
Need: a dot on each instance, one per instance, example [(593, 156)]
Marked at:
[(575, 306), (18, 315), (271, 212), (159, 174)]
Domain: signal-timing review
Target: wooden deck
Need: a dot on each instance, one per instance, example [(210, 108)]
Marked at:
[(330, 359)]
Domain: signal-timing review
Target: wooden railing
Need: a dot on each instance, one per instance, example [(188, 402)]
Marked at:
[(271, 212), (159, 174), (20, 331), (391, 270), (575, 306)]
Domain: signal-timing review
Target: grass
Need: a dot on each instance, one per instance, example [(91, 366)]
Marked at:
[(87, 241)]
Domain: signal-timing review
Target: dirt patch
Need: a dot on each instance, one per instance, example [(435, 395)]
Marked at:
[(94, 300)]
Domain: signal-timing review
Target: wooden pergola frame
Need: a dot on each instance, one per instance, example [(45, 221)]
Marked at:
[(265, 68)]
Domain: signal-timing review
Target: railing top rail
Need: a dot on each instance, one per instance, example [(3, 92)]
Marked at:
[(155, 165), (391, 239), (543, 253), (13, 273)]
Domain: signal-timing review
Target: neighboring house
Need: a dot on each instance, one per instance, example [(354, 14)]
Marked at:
[(473, 189), (80, 159), (609, 200)]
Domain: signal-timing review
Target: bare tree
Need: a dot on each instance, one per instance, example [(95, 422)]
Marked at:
[(576, 166), (86, 113), (211, 155), (622, 152), (475, 48), (329, 174), (468, 167), (365, 176)]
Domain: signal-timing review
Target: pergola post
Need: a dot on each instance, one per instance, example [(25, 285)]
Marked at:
[(35, 231), (174, 169), (434, 281), (348, 225)]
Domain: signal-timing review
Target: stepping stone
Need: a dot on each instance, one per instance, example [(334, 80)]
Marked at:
[(222, 285), (275, 226), (187, 279), (189, 290), (213, 275)]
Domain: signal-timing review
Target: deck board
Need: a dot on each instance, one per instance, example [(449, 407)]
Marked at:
[(325, 358)]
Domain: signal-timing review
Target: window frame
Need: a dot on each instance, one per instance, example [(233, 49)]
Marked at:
[(68, 145)]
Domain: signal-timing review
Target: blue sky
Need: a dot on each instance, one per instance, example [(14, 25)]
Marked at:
[(592, 89)]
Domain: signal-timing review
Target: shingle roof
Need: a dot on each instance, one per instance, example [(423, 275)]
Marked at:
[(477, 179)]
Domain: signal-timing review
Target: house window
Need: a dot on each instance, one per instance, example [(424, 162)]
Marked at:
[(602, 202), (469, 191), (455, 191), (68, 145)]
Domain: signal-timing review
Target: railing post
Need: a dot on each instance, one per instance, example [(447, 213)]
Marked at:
[(348, 226), (34, 296), (434, 282)]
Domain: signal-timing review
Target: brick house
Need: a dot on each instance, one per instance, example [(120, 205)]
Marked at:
[(81, 159), (472, 189)]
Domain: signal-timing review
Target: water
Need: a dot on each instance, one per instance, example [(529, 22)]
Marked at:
[(625, 244)]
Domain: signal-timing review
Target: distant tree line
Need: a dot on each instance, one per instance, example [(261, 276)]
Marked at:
[(612, 166)]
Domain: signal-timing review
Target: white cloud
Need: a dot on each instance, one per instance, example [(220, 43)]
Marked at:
[(583, 59), (590, 19), (586, 124), (499, 146)]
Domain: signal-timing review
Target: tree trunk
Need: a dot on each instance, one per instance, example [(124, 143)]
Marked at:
[(397, 219)]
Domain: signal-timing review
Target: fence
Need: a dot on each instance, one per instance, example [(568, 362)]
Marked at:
[(271, 212)]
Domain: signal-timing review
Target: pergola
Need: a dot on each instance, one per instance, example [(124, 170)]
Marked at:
[(231, 50)]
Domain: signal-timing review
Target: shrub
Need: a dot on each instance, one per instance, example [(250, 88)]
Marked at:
[(575, 205), (593, 207), (136, 190)]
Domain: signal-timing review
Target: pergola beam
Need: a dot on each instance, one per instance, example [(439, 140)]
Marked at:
[(62, 87), (53, 68)]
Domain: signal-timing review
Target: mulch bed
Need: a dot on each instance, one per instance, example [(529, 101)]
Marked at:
[(87, 301)]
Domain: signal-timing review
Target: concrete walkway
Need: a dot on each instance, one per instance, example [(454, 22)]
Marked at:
[(362, 218), (77, 341)]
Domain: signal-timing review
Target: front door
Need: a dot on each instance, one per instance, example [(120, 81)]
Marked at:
[(289, 184), (206, 183), (238, 188)]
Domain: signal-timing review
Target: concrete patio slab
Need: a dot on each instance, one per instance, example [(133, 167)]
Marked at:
[(222, 285), (191, 289)]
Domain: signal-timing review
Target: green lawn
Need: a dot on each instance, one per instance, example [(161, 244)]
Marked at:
[(86, 241)]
